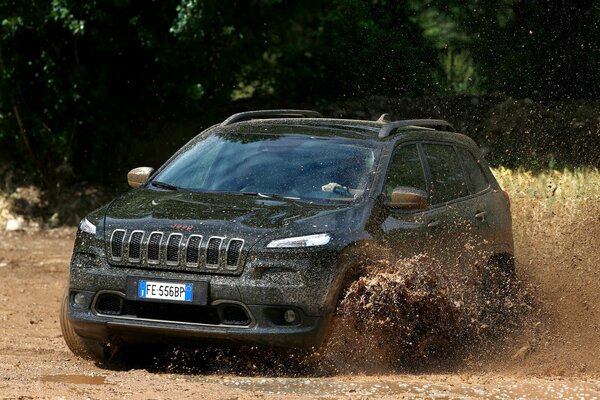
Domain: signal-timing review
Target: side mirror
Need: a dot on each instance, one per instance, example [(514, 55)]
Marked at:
[(408, 198), (138, 176)]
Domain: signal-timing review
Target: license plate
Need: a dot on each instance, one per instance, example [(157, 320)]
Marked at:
[(165, 290)]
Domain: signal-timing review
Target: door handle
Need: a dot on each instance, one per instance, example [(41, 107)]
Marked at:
[(481, 215), (433, 223)]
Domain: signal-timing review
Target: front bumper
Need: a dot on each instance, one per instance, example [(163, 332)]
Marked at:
[(308, 334), (264, 293)]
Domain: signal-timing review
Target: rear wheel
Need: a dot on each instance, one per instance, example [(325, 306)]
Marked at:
[(81, 347)]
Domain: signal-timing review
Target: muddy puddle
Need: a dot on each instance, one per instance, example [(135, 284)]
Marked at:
[(74, 379)]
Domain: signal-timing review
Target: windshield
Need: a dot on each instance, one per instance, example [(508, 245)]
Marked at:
[(294, 166)]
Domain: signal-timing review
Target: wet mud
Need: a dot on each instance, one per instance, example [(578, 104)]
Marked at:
[(402, 327), (412, 316)]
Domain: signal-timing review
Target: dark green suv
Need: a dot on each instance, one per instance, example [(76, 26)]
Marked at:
[(246, 235)]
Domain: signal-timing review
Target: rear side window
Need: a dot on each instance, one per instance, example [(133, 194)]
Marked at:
[(447, 178), (476, 179), (405, 169)]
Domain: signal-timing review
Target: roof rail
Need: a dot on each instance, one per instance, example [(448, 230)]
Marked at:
[(258, 114), (385, 117), (389, 127)]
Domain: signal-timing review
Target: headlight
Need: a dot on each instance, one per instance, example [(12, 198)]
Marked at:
[(87, 226), (319, 239)]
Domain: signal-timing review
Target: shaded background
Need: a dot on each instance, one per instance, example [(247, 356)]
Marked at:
[(90, 89)]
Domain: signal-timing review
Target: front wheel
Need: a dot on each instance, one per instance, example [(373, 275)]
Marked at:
[(81, 347)]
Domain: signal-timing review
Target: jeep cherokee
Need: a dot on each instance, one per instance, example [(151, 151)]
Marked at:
[(246, 234)]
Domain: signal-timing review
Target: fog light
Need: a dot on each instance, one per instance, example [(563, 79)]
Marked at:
[(290, 316), (79, 300)]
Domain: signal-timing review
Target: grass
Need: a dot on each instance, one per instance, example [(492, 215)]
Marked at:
[(553, 211), (552, 190)]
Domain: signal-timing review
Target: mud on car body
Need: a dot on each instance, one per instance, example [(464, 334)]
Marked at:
[(247, 233)]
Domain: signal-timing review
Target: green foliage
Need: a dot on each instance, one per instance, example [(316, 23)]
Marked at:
[(374, 47), (82, 81), (60, 12), (458, 74)]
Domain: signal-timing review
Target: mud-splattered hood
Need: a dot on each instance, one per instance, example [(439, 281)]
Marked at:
[(227, 215)]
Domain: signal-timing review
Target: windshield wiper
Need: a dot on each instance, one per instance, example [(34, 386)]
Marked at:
[(164, 185), (257, 194), (270, 195), (280, 196)]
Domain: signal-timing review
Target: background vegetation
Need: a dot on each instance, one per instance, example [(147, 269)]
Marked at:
[(91, 88)]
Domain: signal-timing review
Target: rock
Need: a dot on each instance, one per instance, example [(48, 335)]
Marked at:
[(14, 225)]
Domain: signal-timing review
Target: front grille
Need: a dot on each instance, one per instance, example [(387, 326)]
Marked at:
[(176, 250), (223, 314), (176, 312)]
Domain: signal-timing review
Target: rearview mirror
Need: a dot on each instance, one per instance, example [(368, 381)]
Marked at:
[(409, 198), (138, 176)]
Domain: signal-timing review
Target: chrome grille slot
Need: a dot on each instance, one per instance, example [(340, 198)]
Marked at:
[(234, 249), (212, 252), (173, 248), (192, 251), (154, 247), (116, 244), (135, 246)]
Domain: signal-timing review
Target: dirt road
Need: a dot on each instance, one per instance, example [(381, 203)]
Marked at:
[(35, 363)]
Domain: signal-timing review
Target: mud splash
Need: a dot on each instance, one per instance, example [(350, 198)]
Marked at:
[(405, 316), (412, 314)]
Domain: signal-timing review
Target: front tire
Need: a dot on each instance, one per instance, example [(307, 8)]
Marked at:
[(81, 347)]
